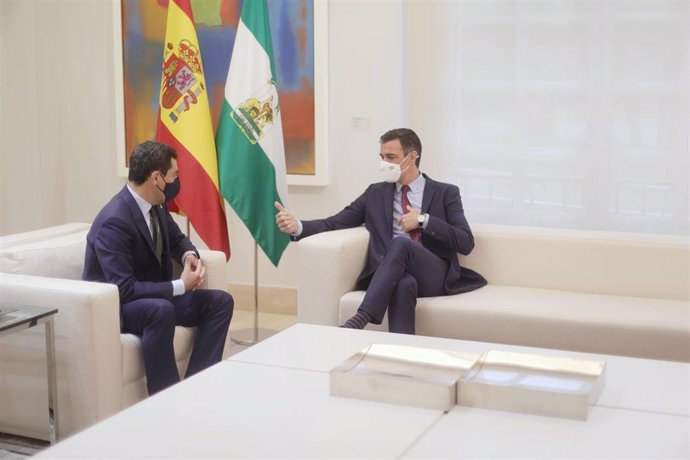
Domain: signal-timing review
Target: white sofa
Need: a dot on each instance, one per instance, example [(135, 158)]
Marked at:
[(99, 370), (600, 292)]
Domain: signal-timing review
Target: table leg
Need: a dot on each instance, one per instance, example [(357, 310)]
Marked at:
[(52, 380)]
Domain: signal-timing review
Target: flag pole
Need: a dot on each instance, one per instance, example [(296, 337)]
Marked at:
[(256, 292), (257, 334)]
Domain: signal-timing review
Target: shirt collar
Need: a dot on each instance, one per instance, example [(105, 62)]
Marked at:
[(144, 205), (416, 185)]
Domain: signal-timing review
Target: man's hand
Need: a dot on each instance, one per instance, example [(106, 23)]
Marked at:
[(193, 273), (191, 256), (408, 222), (286, 222)]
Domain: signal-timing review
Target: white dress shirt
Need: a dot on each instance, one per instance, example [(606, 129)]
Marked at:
[(145, 207), (415, 195)]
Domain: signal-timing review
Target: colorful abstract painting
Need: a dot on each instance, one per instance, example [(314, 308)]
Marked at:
[(292, 27)]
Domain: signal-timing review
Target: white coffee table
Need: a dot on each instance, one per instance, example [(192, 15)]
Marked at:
[(631, 383), (608, 433), (272, 401)]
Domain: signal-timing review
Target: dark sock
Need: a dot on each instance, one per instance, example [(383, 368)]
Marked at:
[(358, 321)]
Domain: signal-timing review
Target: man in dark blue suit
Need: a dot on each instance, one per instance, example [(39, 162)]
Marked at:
[(132, 244), (417, 227)]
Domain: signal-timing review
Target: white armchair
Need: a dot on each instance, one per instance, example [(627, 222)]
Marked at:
[(99, 370)]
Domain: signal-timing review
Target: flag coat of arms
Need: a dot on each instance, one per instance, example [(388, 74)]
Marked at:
[(184, 122), (251, 152)]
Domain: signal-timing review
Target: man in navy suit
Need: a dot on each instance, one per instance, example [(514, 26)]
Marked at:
[(132, 244), (417, 227)]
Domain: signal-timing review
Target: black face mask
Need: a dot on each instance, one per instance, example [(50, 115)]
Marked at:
[(171, 189)]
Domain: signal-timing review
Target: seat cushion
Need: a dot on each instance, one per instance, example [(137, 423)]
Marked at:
[(133, 358), (628, 326)]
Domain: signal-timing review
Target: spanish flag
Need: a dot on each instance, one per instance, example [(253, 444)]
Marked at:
[(184, 122)]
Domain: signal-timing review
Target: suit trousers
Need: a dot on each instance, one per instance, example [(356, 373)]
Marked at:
[(407, 271), (154, 319)]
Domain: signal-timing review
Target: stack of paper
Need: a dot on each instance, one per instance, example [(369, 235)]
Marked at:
[(439, 379), (532, 384), (402, 375)]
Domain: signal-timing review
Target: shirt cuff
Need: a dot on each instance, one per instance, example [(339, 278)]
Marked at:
[(426, 222), (184, 256), (178, 287), (300, 228)]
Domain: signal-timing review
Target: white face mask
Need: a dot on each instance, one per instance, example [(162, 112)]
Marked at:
[(391, 172)]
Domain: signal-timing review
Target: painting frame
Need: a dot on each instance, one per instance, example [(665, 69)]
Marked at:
[(321, 175)]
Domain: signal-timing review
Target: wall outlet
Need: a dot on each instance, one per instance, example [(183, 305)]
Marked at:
[(360, 123)]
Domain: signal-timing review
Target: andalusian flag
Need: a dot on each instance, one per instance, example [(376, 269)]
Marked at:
[(184, 122), (251, 155)]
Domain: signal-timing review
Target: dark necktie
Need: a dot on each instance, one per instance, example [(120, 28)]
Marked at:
[(416, 234), (157, 236)]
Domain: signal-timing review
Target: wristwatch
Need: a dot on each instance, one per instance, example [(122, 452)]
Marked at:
[(421, 219)]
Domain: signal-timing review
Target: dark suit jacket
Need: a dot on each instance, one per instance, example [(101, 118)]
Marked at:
[(447, 232), (119, 250)]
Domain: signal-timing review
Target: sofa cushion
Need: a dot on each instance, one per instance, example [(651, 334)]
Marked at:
[(58, 257), (133, 358), (555, 319), (607, 263), (42, 234)]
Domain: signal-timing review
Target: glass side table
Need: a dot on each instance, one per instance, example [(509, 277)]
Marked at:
[(23, 317)]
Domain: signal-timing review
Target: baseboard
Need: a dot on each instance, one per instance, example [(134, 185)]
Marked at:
[(278, 300)]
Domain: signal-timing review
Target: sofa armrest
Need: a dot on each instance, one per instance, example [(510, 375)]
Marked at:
[(329, 264), (216, 270), (88, 354)]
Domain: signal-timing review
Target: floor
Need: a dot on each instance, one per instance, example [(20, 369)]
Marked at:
[(241, 330), (17, 447)]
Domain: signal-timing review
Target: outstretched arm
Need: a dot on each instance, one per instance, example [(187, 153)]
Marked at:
[(351, 216)]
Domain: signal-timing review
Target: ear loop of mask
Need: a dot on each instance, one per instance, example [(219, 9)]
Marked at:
[(162, 190), (408, 166)]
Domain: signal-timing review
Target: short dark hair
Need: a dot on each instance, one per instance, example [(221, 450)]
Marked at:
[(148, 157), (408, 140)]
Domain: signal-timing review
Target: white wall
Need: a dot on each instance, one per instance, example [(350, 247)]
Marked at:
[(58, 160), (56, 80)]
